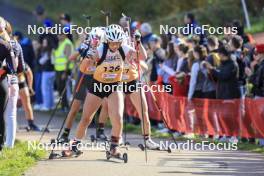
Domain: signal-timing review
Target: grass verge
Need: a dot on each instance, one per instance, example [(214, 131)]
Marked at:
[(14, 162)]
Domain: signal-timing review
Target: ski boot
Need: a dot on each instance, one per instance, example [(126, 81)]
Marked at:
[(33, 127), (100, 136)]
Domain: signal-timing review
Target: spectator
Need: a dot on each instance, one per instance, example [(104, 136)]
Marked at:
[(40, 14), (26, 44), (257, 79), (63, 66), (192, 41), (46, 22), (197, 77), (180, 81), (65, 20), (226, 75), (191, 23), (247, 38), (237, 55), (209, 87), (182, 64), (158, 56), (171, 63), (146, 32), (48, 75)]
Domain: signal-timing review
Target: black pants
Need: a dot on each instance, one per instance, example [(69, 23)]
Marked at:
[(209, 95), (197, 94), (60, 84), (3, 102)]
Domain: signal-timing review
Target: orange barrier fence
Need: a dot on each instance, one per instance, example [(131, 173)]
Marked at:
[(203, 116)]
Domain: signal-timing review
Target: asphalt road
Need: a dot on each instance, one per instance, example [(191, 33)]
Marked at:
[(179, 162)]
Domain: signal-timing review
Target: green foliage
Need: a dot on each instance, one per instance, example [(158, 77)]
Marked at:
[(171, 12), (14, 162)]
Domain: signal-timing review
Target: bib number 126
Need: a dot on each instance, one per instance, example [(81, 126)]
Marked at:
[(112, 68)]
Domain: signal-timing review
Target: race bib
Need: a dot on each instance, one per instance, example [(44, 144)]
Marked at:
[(109, 76), (125, 77)]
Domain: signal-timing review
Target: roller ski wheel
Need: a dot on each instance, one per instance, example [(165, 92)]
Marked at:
[(169, 150), (123, 157), (108, 155), (141, 146)]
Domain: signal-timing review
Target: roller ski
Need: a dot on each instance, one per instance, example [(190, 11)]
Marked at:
[(73, 150), (115, 153), (69, 153), (151, 145)]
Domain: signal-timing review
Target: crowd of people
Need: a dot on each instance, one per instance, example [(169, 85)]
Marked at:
[(195, 65)]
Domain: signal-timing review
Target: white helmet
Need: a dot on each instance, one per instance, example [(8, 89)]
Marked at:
[(97, 33), (114, 33)]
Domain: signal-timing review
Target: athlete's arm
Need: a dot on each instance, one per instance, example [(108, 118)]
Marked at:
[(67, 53), (139, 53), (89, 60), (143, 66)]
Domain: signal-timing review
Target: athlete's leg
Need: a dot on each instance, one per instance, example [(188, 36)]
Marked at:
[(3, 103), (115, 110), (104, 112), (29, 77), (91, 105), (11, 115), (76, 105), (136, 101), (25, 100), (102, 120), (79, 97)]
